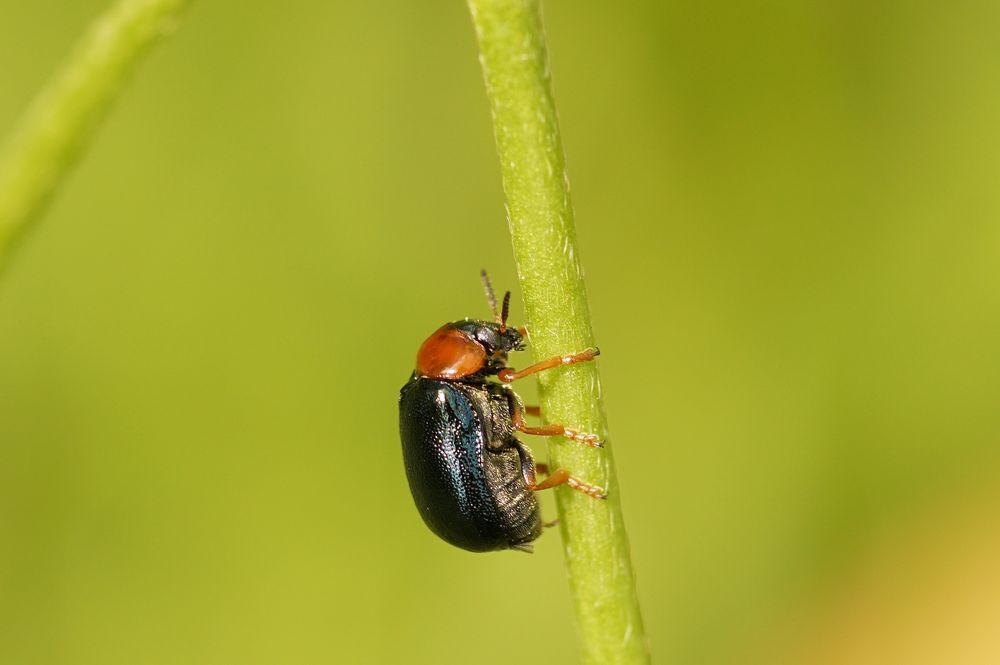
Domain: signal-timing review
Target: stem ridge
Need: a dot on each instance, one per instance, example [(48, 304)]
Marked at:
[(540, 216)]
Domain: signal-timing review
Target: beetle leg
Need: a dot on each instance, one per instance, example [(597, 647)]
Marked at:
[(557, 477), (561, 476), (527, 463), (591, 440), (534, 411), (508, 374)]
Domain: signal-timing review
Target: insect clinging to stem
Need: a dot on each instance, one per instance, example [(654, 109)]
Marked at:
[(472, 480)]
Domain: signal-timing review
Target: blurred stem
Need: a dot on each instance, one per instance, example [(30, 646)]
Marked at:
[(515, 67), (63, 117)]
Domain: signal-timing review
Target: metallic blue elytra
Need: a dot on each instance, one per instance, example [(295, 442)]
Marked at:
[(467, 472)]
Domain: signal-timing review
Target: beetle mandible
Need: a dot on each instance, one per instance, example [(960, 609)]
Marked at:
[(472, 480)]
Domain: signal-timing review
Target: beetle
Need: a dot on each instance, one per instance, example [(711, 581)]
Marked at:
[(472, 480)]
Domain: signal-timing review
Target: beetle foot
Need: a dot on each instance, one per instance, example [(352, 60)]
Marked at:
[(591, 440), (587, 488)]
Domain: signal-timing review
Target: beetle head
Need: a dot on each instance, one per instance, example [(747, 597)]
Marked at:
[(466, 349), (471, 347), (495, 337)]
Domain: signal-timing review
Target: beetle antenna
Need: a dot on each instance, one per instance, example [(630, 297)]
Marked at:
[(504, 311), (490, 296)]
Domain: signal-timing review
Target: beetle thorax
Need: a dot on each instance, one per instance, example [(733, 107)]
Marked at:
[(466, 348), (450, 353)]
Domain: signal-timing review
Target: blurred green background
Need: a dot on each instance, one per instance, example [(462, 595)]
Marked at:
[(788, 217)]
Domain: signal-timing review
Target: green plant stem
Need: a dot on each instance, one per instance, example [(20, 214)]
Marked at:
[(515, 67), (63, 117)]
